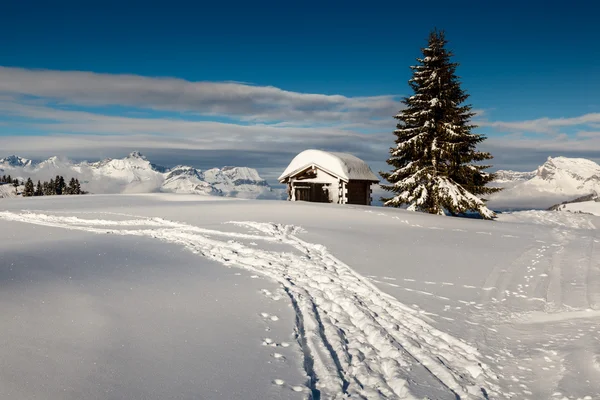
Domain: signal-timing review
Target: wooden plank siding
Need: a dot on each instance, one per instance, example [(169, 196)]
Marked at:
[(358, 192)]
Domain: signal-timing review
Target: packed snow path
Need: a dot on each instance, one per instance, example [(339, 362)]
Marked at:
[(357, 341)]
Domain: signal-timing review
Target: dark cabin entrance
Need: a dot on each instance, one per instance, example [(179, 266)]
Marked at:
[(358, 192), (313, 192)]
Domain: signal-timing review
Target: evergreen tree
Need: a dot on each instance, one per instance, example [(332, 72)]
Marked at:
[(57, 185), (62, 185), (78, 187), (38, 189), (71, 188), (433, 160), (29, 188), (9, 179), (16, 186), (3, 179), (51, 187)]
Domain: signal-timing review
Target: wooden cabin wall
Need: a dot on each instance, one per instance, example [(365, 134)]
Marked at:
[(313, 192), (309, 184)]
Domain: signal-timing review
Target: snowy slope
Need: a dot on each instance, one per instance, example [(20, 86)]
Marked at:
[(558, 179), (383, 303), (240, 182), (590, 207), (6, 191), (136, 174), (182, 179)]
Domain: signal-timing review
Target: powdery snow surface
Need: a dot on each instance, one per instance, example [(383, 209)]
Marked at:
[(343, 165), (139, 297)]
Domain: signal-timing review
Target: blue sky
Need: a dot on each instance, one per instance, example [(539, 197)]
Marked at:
[(257, 82)]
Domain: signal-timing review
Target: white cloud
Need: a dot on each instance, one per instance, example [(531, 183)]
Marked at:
[(588, 134), (272, 124), (253, 103), (543, 125)]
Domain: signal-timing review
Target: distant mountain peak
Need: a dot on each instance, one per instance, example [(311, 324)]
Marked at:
[(136, 174), (579, 169), (15, 161), (136, 154), (558, 179)]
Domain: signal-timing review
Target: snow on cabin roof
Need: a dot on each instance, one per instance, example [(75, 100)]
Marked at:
[(343, 165)]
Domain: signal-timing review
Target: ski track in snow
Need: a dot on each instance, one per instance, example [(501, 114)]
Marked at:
[(558, 332), (539, 316), (356, 340)]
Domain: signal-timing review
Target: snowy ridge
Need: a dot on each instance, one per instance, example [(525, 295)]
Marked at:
[(136, 174), (504, 177), (559, 174), (238, 182), (558, 179), (53, 163), (569, 175), (357, 341), (182, 179), (14, 161)]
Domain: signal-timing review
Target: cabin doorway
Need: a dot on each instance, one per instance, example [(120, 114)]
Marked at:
[(358, 192)]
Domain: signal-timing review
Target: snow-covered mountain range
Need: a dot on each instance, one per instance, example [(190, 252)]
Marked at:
[(136, 174), (558, 179), (14, 162)]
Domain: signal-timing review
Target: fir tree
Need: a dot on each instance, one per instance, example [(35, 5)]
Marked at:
[(434, 158), (29, 188), (51, 188), (16, 186), (9, 179), (58, 187), (71, 188), (78, 187), (62, 185), (38, 189)]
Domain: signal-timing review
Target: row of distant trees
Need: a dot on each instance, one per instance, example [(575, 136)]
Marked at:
[(8, 179), (53, 187)]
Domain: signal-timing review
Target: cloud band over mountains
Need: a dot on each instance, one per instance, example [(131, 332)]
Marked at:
[(87, 114)]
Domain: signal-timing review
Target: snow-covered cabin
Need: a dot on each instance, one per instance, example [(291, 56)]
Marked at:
[(321, 176)]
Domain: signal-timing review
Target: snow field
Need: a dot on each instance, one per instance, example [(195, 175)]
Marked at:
[(432, 306), (357, 340)]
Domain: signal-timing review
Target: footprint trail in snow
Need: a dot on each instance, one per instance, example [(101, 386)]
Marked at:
[(356, 340)]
